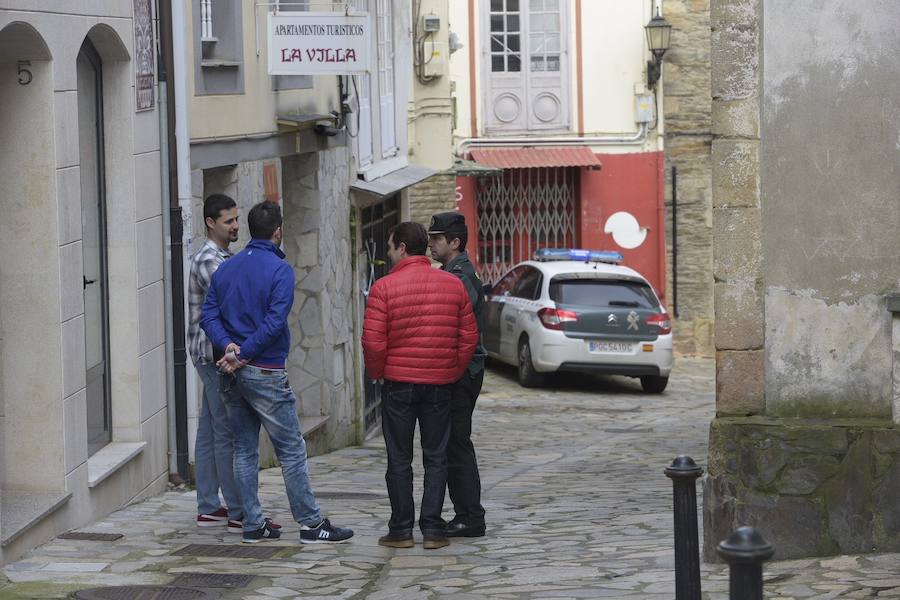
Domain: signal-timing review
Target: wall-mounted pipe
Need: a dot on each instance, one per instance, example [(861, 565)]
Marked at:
[(181, 236), (675, 241), (167, 170), (588, 140)]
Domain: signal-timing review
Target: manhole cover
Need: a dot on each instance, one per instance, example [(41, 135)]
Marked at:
[(228, 551), (350, 496), (145, 592), (212, 580), (90, 536)]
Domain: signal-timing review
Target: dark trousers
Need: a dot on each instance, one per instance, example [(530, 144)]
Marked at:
[(463, 480), (402, 404)]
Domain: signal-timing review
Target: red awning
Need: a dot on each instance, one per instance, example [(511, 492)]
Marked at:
[(543, 156)]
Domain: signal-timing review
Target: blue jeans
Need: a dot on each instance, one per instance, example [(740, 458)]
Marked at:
[(264, 397), (402, 405), (214, 448)]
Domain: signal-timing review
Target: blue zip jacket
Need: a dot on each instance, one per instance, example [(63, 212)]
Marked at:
[(249, 299)]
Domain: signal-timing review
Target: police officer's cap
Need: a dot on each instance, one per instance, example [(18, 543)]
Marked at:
[(447, 223)]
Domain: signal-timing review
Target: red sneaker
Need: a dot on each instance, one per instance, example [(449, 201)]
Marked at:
[(237, 526), (213, 519)]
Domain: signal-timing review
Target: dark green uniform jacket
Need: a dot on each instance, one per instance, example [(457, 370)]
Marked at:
[(462, 267)]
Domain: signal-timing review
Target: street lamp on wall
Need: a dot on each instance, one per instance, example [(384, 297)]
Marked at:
[(658, 32)]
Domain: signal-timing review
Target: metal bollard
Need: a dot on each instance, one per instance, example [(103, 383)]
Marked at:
[(684, 473), (745, 550)]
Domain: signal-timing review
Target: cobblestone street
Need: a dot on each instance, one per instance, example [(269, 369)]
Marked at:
[(577, 507)]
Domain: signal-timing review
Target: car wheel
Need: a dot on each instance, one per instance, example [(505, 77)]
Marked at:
[(528, 377), (654, 384)]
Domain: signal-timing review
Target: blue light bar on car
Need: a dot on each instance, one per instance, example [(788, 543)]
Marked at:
[(604, 256)]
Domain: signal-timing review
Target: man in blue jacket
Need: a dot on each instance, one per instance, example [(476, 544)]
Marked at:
[(245, 315)]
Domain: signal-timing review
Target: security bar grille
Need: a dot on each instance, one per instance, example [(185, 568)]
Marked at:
[(522, 211)]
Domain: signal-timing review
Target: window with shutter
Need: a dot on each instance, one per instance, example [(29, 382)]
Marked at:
[(362, 88), (385, 33)]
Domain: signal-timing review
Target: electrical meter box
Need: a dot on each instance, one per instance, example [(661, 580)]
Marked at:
[(431, 23), (435, 57), (644, 108)]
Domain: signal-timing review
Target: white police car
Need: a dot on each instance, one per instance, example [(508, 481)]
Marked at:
[(578, 310)]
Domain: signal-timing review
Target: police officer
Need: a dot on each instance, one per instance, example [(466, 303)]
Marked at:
[(447, 237)]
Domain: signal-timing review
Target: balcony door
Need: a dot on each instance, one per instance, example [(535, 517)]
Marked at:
[(526, 74)]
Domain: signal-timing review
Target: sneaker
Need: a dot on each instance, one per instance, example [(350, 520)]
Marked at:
[(433, 542), (266, 532), (325, 532), (213, 519), (237, 525), (397, 540)]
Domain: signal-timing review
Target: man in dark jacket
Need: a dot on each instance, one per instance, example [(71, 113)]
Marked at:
[(245, 316), (447, 240), (419, 335)]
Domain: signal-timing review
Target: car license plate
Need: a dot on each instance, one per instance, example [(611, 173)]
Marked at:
[(619, 347)]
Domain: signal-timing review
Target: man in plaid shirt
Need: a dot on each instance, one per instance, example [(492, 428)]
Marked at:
[(214, 448)]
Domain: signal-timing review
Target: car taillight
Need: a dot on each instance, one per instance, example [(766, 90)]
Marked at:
[(661, 321), (552, 318)]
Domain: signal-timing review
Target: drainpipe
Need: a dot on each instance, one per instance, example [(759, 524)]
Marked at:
[(675, 241), (638, 137), (166, 112), (180, 214)]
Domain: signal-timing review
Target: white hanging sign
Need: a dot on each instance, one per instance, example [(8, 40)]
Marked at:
[(318, 43)]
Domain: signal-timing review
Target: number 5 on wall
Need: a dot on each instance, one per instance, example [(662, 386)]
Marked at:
[(24, 72)]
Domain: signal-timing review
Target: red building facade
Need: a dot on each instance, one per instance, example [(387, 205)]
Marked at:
[(560, 197)]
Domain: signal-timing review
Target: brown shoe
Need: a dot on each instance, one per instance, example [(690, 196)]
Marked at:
[(392, 540), (435, 542)]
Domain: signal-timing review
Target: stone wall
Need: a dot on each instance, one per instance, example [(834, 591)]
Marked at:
[(316, 207), (811, 489), (435, 194), (805, 442), (687, 113), (242, 182), (317, 244), (739, 331)]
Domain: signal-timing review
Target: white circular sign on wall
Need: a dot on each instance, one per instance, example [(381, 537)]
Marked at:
[(625, 230)]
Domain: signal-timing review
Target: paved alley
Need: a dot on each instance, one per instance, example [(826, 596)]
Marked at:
[(577, 507)]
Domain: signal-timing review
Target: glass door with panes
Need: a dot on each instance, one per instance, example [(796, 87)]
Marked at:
[(93, 226), (526, 62)]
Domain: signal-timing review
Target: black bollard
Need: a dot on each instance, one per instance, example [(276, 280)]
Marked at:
[(684, 473), (745, 550)]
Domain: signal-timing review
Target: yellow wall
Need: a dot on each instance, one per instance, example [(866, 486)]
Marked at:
[(430, 112), (254, 111)]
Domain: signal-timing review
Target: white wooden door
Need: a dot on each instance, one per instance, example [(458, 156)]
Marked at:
[(547, 66), (526, 66), (503, 75)]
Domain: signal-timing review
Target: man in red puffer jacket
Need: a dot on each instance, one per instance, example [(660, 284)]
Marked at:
[(419, 334)]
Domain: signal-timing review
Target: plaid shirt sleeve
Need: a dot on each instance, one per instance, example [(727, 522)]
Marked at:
[(203, 265)]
